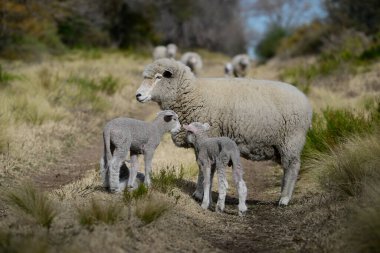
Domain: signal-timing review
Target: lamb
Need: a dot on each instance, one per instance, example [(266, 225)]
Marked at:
[(121, 135), (228, 70), (169, 51), (268, 120), (193, 61), (220, 152), (240, 65)]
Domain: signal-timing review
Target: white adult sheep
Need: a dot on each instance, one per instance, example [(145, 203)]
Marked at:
[(169, 51), (193, 61), (240, 65), (266, 119)]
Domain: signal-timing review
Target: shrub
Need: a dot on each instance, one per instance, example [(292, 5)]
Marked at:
[(97, 211), (151, 208), (32, 202), (268, 45)]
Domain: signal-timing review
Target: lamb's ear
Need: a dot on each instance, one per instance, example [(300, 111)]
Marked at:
[(206, 126), (190, 128), (167, 74)]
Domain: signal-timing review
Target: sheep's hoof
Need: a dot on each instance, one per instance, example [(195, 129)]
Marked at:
[(242, 213), (284, 201), (205, 206), (198, 195)]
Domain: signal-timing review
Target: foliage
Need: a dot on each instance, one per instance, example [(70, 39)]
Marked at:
[(12, 243), (140, 192), (333, 127), (166, 179), (267, 46), (32, 202), (97, 211)]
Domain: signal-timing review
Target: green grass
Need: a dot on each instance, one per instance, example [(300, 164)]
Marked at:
[(6, 77), (32, 202), (166, 179), (99, 212), (151, 209), (333, 126), (140, 192)]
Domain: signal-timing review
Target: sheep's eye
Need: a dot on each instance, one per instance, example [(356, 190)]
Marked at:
[(158, 76)]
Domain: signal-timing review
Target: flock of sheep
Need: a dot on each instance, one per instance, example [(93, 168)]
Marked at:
[(222, 119), (238, 67)]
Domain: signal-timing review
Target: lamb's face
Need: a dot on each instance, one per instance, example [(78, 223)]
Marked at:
[(160, 82), (170, 121), (193, 129), (228, 69)]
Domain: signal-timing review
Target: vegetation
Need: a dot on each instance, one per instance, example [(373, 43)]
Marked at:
[(267, 47), (166, 179), (32, 202), (98, 211), (140, 192), (151, 208)]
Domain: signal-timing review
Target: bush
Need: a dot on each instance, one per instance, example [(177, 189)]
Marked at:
[(166, 179), (267, 47), (32, 202), (97, 211)]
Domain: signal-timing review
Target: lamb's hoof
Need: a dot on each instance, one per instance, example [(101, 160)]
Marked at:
[(205, 206), (242, 213), (219, 209), (284, 201), (198, 195)]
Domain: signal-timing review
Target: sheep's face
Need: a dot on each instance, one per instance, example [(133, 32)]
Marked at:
[(160, 83), (228, 69), (170, 121), (193, 129)]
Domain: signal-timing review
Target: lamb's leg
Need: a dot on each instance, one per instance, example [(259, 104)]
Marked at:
[(148, 157), (291, 168), (240, 185), (104, 172), (114, 170), (206, 186), (213, 168), (133, 171), (222, 188), (198, 193)]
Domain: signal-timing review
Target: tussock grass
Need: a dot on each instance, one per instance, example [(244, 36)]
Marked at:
[(140, 192), (6, 77), (151, 208), (19, 244), (166, 179), (334, 126), (97, 211), (33, 202), (351, 166)]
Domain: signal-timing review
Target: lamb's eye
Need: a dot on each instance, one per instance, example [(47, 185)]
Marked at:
[(158, 77)]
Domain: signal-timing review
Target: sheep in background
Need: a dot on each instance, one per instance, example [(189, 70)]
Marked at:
[(228, 70), (240, 65), (219, 152), (123, 135), (193, 61), (169, 51), (266, 119)]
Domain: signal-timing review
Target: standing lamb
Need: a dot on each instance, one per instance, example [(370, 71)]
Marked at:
[(121, 135), (240, 65), (218, 152), (169, 51), (193, 61), (228, 70), (266, 119)]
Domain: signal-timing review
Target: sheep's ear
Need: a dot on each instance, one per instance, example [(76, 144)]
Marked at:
[(206, 126), (167, 74)]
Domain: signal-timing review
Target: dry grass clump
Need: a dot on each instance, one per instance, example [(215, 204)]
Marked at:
[(151, 208), (98, 211), (140, 192), (33, 202), (19, 244)]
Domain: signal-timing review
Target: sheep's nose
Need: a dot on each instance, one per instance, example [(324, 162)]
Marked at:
[(138, 95)]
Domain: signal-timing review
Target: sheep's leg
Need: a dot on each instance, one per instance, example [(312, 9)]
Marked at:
[(148, 157), (206, 187), (240, 186), (198, 193), (291, 168), (114, 170), (104, 172), (133, 171), (211, 182), (222, 188)]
